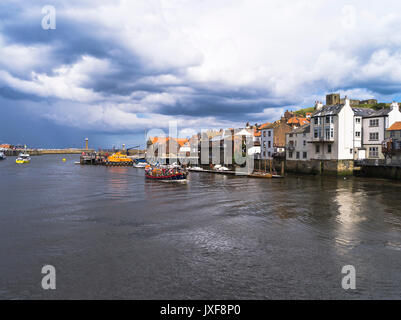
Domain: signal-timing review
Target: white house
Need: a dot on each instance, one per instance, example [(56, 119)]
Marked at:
[(374, 127), (332, 131)]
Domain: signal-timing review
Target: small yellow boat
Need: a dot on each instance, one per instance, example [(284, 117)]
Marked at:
[(23, 158)]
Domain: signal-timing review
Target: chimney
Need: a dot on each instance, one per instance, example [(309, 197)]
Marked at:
[(318, 105), (347, 102), (394, 105)]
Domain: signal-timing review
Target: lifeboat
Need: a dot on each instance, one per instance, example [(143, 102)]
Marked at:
[(119, 159)]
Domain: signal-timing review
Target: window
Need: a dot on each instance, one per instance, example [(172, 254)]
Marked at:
[(373, 122), (317, 148), (373, 152), (264, 133), (269, 133), (331, 132), (291, 134), (316, 133), (327, 133), (269, 144), (328, 119), (304, 155), (304, 143), (357, 133), (269, 153), (264, 153), (316, 120), (264, 144), (289, 154), (304, 134), (329, 148), (392, 134), (374, 136), (297, 154), (350, 151), (358, 120)]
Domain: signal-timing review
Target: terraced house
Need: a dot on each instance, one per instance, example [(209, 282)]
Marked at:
[(375, 124)]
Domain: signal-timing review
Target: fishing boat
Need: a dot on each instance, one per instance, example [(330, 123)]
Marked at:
[(165, 173), (23, 158), (2, 156)]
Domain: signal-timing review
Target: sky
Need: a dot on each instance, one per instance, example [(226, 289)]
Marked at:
[(112, 70)]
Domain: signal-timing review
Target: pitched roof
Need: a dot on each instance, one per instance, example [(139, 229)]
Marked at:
[(180, 141), (298, 120), (328, 110), (380, 113), (304, 129), (362, 112), (395, 126), (264, 125)]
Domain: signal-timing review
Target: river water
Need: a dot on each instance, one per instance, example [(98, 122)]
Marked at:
[(109, 234)]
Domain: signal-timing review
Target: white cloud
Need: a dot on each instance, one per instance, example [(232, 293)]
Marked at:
[(283, 51)]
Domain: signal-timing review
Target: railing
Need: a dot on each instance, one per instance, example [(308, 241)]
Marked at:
[(322, 139), (290, 147)]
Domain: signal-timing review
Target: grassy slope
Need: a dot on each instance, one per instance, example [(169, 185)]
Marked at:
[(377, 106)]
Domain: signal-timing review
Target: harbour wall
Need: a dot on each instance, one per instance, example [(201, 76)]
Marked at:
[(38, 152), (321, 167), (381, 171)]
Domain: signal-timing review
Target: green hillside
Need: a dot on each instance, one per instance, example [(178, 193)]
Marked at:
[(304, 111)]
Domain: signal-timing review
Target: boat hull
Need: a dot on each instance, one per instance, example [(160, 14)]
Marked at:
[(172, 177), (22, 161)]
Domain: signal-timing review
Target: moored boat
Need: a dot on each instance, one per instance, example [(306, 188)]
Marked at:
[(140, 164), (23, 158), (165, 173), (2, 156)]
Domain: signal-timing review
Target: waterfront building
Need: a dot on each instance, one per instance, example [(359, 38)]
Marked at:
[(391, 146), (332, 132), (273, 139), (375, 124), (297, 146)]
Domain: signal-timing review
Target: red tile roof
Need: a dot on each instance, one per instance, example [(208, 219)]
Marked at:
[(395, 126)]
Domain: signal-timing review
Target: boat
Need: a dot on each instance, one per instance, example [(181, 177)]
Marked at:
[(23, 158), (195, 169), (165, 173), (119, 159), (140, 165), (2, 156), (261, 175)]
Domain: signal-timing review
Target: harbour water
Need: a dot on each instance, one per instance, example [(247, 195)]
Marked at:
[(111, 234)]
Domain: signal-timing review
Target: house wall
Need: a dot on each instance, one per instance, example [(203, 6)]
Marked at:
[(264, 144), (298, 140), (323, 153), (345, 133)]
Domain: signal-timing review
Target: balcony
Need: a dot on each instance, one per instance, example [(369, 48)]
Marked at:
[(290, 147), (322, 139)]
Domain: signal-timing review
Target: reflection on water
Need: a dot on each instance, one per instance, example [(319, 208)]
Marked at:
[(112, 234)]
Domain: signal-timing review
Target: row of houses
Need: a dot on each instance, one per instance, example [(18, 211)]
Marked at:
[(330, 138), (340, 134), (222, 146)]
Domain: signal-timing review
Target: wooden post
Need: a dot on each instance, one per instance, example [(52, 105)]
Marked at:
[(270, 165), (282, 167)]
